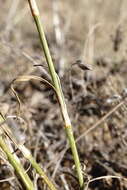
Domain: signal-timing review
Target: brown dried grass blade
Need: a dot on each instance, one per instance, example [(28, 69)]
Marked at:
[(27, 78)]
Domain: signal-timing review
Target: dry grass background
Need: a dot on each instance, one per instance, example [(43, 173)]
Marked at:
[(94, 31)]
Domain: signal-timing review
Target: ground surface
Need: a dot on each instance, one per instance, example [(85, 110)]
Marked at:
[(94, 31)]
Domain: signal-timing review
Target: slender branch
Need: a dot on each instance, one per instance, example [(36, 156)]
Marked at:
[(56, 83)]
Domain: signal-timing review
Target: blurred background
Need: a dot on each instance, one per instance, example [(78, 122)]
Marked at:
[(95, 32)]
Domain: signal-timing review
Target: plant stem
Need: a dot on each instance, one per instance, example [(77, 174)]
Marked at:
[(42, 174), (57, 85), (35, 165), (17, 165)]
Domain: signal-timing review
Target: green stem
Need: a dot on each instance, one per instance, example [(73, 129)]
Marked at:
[(42, 173), (17, 165), (35, 165), (75, 155), (56, 83)]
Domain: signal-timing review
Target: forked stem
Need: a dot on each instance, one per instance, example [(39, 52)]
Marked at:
[(57, 85)]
